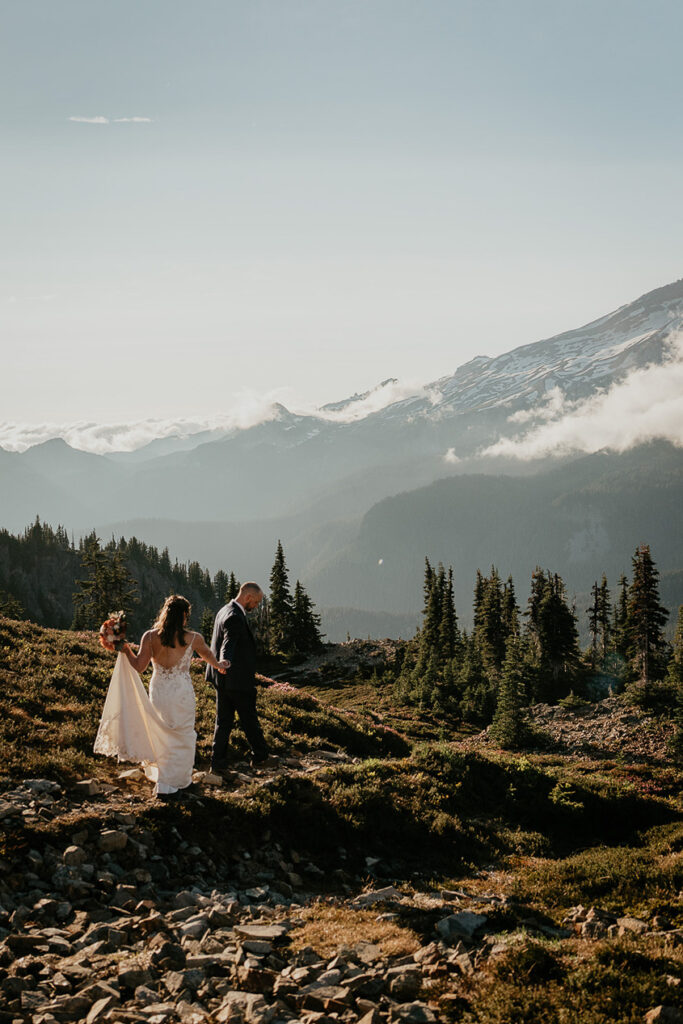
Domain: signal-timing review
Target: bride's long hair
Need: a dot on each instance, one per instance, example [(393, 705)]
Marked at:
[(171, 620)]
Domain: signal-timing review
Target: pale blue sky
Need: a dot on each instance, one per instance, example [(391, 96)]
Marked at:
[(326, 193)]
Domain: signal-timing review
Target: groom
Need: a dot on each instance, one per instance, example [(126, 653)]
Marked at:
[(233, 641)]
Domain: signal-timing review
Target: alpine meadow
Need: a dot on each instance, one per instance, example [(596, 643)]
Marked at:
[(341, 545)]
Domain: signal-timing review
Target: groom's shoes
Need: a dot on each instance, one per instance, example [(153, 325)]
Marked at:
[(264, 761)]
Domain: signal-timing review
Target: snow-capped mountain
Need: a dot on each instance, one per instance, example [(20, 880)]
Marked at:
[(335, 463), (578, 362)]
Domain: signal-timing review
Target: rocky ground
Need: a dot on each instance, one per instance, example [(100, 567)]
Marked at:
[(105, 920), (380, 870), (606, 729), (338, 662)]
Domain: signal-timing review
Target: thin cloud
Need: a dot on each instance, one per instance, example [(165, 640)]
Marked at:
[(101, 119), (376, 400), (248, 410), (646, 405)]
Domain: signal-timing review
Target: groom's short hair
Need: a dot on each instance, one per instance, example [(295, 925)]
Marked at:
[(250, 588)]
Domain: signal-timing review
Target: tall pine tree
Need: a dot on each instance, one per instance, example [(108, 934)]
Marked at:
[(305, 634), (646, 619), (281, 608)]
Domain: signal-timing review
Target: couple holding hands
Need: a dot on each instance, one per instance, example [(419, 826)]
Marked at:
[(158, 730)]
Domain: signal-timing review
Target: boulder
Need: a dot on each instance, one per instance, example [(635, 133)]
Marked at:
[(112, 840), (74, 856), (631, 925)]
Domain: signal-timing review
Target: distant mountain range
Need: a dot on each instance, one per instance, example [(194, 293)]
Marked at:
[(225, 497)]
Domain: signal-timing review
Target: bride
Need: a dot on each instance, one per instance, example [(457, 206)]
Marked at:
[(157, 730)]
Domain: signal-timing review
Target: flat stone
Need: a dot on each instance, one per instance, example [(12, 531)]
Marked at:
[(462, 925), (132, 775), (261, 932), (257, 946), (367, 899), (209, 779)]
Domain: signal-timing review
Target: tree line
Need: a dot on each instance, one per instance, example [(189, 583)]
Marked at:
[(512, 657), (47, 577)]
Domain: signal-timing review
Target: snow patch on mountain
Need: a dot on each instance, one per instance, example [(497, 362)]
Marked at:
[(647, 404)]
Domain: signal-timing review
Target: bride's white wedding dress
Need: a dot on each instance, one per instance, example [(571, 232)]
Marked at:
[(156, 730)]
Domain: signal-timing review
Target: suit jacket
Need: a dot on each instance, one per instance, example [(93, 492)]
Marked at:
[(232, 640)]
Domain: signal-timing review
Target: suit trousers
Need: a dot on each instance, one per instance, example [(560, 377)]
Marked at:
[(242, 703)]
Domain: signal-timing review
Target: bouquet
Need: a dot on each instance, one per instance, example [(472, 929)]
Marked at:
[(113, 631)]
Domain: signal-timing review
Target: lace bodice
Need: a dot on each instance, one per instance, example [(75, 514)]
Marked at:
[(181, 668)]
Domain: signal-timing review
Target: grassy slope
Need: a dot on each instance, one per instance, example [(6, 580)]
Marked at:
[(550, 831)]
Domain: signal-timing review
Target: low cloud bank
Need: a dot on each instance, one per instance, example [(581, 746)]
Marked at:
[(646, 405), (374, 401), (248, 409)]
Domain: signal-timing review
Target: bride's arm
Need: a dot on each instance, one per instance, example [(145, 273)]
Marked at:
[(205, 652), (144, 655)]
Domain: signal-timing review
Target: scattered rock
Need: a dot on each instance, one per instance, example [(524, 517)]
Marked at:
[(111, 840)]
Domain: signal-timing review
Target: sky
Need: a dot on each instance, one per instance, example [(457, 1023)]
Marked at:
[(207, 206)]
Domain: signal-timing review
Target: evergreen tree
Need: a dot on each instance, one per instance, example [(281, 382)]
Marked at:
[(207, 624), (165, 562), (431, 625), (604, 617), (448, 626), (509, 722), (107, 585), (620, 630), (510, 609), (305, 633), (233, 588), (477, 693), (675, 678), (558, 635), (490, 631), (479, 590), (594, 623), (429, 577), (195, 576), (646, 618), (10, 608), (260, 626), (281, 605), (206, 588), (220, 587), (553, 637)]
